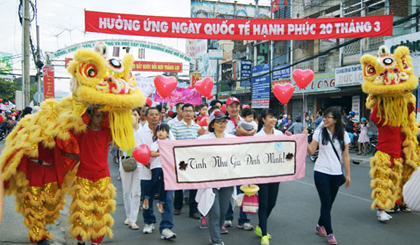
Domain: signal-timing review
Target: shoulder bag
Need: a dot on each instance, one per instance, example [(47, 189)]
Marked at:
[(129, 164), (335, 151)]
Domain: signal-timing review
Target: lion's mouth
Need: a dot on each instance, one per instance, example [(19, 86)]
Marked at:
[(391, 78), (114, 86)]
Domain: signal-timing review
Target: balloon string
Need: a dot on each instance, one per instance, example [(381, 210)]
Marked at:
[(303, 115)]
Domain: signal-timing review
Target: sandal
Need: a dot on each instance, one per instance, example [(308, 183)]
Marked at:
[(359, 153)]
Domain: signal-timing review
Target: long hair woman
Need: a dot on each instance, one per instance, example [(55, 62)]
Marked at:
[(328, 174)]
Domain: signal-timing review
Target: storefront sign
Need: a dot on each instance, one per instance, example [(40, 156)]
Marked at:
[(48, 72), (215, 54), (412, 41), (284, 81), (238, 29), (322, 82), (157, 66), (205, 163), (279, 73), (195, 77), (246, 71), (261, 87), (223, 96), (349, 76)]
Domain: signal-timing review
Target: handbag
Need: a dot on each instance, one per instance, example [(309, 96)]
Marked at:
[(129, 164), (250, 204), (335, 151)]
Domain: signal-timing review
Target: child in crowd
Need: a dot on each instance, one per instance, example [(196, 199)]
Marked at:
[(248, 123), (363, 137), (202, 112)]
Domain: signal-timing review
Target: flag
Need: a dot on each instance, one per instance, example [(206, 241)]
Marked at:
[(284, 2), (274, 5)]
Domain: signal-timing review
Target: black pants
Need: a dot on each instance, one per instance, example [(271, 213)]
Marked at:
[(267, 196), (179, 199), (327, 187)]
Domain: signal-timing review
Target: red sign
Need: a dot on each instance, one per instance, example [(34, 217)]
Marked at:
[(238, 29), (48, 82), (157, 66), (67, 62), (195, 77)]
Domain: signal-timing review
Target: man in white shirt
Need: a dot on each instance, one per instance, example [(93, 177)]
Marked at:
[(146, 137), (178, 117)]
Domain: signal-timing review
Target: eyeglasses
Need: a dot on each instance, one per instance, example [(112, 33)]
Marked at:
[(221, 121), (188, 111), (328, 117)]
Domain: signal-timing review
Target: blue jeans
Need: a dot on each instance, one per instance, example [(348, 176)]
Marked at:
[(156, 185), (216, 217), (327, 187), (351, 135), (243, 218), (267, 197), (167, 215)]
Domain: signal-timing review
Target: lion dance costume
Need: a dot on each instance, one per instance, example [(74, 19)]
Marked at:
[(389, 80), (36, 161)]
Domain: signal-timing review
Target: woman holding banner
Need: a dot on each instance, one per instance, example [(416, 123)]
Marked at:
[(267, 195), (213, 203), (333, 144)]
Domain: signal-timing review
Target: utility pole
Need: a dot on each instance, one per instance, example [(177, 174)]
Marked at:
[(38, 60), (26, 54)]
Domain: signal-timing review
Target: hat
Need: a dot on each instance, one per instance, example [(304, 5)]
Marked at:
[(231, 100), (363, 119), (348, 117), (216, 115)]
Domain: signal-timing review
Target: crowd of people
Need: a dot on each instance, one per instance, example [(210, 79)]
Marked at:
[(213, 207)]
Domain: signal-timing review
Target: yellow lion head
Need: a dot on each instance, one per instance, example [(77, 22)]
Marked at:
[(104, 82), (388, 74)]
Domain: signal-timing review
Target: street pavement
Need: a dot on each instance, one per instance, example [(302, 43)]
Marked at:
[(292, 221)]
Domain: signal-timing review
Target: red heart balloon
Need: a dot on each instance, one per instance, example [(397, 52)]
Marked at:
[(203, 121), (223, 109), (283, 92), (165, 85), (210, 96), (1, 100), (303, 77), (142, 154), (149, 102), (204, 86)]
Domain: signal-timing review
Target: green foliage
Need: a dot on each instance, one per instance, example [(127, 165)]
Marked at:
[(8, 88)]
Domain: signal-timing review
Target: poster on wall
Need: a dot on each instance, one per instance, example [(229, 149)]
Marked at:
[(261, 86), (246, 66)]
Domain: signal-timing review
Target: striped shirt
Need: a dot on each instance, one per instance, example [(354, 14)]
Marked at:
[(181, 131)]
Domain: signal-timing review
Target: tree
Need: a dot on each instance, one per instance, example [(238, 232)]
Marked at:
[(8, 88)]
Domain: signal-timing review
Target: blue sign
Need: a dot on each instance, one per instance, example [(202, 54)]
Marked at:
[(261, 86), (279, 74), (246, 68)]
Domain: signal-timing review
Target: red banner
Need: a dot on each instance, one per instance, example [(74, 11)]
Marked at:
[(157, 66), (238, 29), (48, 72), (195, 77)]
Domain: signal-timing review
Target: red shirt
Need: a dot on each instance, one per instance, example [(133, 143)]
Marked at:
[(94, 154)]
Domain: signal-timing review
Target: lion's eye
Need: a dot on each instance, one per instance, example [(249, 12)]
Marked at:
[(370, 71), (115, 65), (88, 70)]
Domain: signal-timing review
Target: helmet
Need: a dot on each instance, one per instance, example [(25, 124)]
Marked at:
[(348, 116), (363, 119), (352, 113)]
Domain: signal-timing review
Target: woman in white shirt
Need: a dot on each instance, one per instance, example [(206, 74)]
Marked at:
[(328, 174), (131, 181), (267, 195), (213, 203)]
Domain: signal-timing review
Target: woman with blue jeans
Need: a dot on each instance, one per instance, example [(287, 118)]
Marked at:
[(328, 174)]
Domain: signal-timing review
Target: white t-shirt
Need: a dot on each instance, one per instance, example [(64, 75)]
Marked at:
[(213, 136), (155, 161), (230, 127), (327, 161), (262, 132)]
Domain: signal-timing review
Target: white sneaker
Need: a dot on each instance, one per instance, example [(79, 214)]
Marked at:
[(228, 223), (148, 228), (246, 226), (126, 222), (134, 226), (167, 234), (383, 216)]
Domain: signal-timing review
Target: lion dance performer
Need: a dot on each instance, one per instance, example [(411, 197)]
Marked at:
[(389, 80), (40, 159)]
